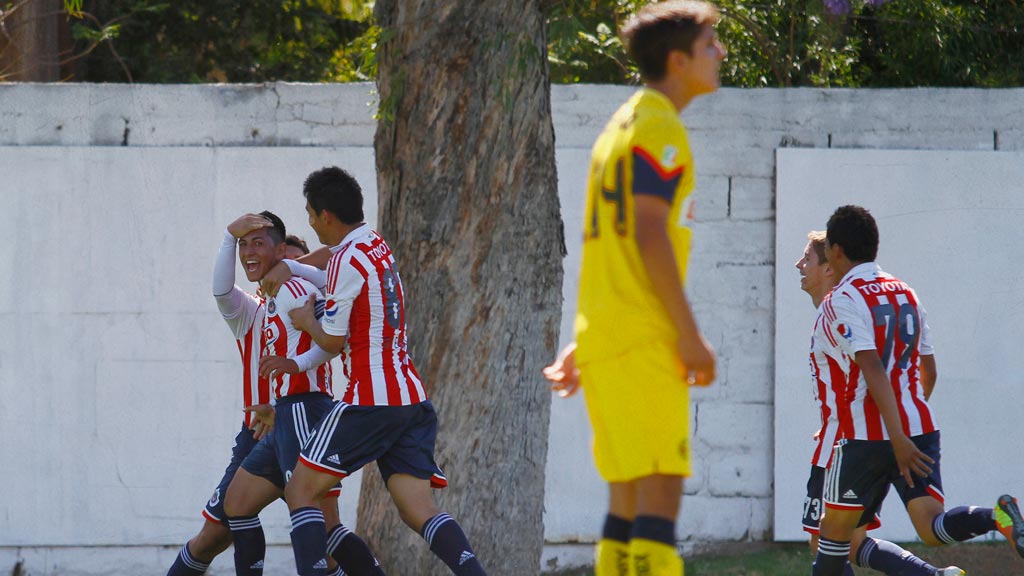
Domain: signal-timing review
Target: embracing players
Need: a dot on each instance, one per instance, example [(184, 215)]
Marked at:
[(384, 415), (873, 331)]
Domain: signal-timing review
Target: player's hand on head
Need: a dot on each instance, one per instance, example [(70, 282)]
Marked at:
[(247, 223), (911, 460), (272, 282), (563, 374), (698, 362), (303, 317), (273, 366)]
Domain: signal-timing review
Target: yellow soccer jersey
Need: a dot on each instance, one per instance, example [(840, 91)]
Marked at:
[(642, 150)]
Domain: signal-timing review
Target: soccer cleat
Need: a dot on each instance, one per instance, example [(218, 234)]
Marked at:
[(950, 571), (1009, 522)]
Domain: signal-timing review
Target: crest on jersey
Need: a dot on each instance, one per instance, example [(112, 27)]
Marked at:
[(331, 308), (844, 331), (271, 307), (668, 156)]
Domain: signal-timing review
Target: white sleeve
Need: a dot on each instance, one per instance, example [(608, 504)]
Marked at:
[(312, 274), (237, 307), (338, 308), (312, 358), (850, 327), (925, 347)]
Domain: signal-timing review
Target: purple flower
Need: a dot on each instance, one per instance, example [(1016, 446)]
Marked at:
[(837, 7)]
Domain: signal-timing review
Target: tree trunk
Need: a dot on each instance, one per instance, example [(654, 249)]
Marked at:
[(30, 38), (469, 203)]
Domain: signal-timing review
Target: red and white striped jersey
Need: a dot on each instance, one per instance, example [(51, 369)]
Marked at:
[(281, 338), (872, 310), (244, 313), (829, 378), (366, 303)]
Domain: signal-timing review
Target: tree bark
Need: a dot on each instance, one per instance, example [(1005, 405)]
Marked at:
[(30, 38), (469, 203)]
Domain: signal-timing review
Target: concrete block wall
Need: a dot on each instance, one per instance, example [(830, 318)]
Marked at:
[(734, 134)]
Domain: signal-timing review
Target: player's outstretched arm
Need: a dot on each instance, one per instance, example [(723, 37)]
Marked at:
[(317, 258), (304, 318), (563, 374), (660, 262), (910, 459)]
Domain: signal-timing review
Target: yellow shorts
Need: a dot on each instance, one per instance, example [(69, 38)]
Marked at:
[(639, 406)]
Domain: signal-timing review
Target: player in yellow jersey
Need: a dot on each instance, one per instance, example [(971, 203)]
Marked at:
[(637, 345)]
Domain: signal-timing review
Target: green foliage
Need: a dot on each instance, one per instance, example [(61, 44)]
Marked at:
[(228, 40), (871, 43), (802, 43)]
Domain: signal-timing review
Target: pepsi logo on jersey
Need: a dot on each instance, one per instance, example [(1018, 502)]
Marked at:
[(844, 331)]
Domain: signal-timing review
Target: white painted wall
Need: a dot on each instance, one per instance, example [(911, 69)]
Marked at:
[(124, 382)]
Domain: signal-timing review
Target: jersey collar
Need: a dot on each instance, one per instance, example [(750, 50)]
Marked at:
[(864, 269), (350, 237), (658, 98)]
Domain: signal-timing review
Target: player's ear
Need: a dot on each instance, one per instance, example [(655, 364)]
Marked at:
[(677, 59)]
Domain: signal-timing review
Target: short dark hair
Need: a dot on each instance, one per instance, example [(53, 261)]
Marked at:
[(336, 191), (854, 228), (659, 28), (276, 231), (293, 240)]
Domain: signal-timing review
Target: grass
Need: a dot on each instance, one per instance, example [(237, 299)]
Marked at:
[(778, 559)]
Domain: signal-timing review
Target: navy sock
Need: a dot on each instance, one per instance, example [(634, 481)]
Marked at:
[(309, 541), (848, 569), (449, 543), (963, 523), (616, 528), (250, 545), (337, 572), (831, 558), (655, 529), (351, 553), (186, 565), (889, 558)]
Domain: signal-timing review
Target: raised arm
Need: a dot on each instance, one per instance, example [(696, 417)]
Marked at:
[(235, 305)]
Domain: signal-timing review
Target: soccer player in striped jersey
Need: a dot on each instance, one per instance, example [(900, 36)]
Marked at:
[(638, 347), (874, 329), (301, 399), (817, 279), (384, 415), (244, 316)]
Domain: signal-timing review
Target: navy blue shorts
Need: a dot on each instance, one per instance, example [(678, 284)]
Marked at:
[(295, 417), (863, 470), (814, 505), (930, 444), (244, 443), (399, 438)]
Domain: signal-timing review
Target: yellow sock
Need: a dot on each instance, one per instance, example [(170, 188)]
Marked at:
[(612, 558), (651, 558)]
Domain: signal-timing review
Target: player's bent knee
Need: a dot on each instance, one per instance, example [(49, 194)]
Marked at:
[(210, 542)]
